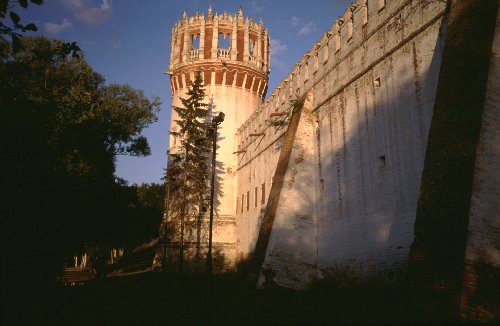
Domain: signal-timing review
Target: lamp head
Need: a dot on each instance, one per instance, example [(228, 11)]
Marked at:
[(218, 119)]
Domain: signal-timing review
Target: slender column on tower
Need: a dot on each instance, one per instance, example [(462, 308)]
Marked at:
[(265, 66), (201, 51), (234, 33), (172, 50), (187, 48), (215, 37), (259, 45), (245, 76), (178, 54), (246, 50), (183, 78)]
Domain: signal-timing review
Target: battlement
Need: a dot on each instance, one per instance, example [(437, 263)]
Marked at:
[(361, 21), (346, 33)]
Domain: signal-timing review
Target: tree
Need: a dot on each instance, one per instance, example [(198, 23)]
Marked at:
[(150, 198), (189, 182), (140, 210), (62, 130), (14, 29)]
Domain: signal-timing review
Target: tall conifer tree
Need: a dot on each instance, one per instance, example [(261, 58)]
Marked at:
[(189, 183)]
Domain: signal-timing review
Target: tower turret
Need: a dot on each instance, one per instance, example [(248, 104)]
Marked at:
[(230, 52), (232, 55)]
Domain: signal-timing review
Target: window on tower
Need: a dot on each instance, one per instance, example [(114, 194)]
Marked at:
[(250, 46), (223, 52), (195, 41), (224, 41)]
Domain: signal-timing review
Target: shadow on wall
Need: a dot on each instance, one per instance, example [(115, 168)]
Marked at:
[(348, 204), (219, 180)]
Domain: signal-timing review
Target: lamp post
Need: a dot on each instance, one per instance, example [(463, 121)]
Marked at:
[(215, 123)]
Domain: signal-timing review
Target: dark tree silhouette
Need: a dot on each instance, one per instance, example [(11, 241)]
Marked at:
[(62, 130), (189, 182)]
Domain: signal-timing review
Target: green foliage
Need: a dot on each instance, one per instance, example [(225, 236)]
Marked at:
[(62, 130), (86, 123), (151, 196), (13, 30), (16, 27), (187, 173), (140, 208), (191, 160)]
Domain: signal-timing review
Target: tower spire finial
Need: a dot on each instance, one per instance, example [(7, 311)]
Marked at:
[(210, 12)]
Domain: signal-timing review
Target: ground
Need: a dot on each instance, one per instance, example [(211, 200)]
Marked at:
[(152, 298)]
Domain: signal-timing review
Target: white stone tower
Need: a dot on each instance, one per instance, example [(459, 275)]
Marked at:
[(232, 54)]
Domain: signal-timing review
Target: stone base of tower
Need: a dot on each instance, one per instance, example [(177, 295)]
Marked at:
[(196, 246)]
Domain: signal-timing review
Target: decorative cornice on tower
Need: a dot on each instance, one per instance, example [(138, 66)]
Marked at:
[(234, 38), (238, 66), (215, 36)]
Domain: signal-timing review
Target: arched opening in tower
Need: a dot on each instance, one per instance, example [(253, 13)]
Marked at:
[(195, 41), (224, 41)]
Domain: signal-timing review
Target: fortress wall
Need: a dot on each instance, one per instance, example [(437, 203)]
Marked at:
[(255, 174), (372, 135), (287, 243), (482, 254), (370, 148), (454, 260), (373, 77)]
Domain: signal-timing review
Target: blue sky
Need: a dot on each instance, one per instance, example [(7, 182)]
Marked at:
[(128, 41)]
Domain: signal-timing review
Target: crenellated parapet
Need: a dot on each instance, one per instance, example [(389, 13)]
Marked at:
[(347, 32), (339, 52), (230, 50)]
